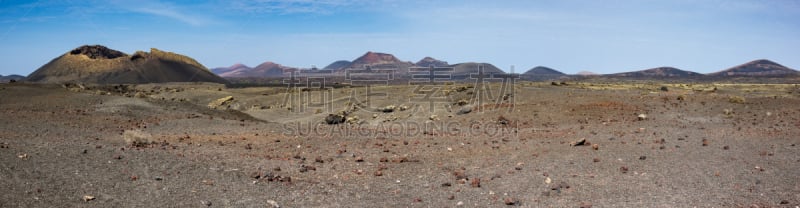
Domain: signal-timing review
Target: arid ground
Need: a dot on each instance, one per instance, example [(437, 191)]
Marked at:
[(542, 145)]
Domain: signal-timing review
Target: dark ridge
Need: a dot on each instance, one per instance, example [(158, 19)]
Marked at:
[(97, 52)]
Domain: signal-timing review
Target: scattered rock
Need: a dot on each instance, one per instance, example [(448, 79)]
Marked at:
[(476, 182), (642, 117), (580, 142), (664, 88), (459, 175), (561, 185), (726, 147), (359, 159), (623, 169), (503, 120), (596, 160), (403, 159), (642, 157), (206, 203), (784, 202), (306, 168), (378, 173), (585, 205), (137, 138), (433, 118), (595, 146), (705, 142)]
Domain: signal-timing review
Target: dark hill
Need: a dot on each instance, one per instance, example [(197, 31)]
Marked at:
[(101, 65)]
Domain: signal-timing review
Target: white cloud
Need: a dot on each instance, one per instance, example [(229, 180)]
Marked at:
[(181, 13), (173, 14), (303, 6)]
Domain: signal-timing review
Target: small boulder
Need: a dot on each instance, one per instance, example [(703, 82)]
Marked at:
[(387, 109), (220, 102), (580, 142), (140, 95), (465, 110), (333, 119)]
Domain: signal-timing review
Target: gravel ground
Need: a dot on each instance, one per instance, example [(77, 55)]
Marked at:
[(692, 148)]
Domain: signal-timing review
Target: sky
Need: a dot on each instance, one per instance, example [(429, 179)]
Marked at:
[(606, 36)]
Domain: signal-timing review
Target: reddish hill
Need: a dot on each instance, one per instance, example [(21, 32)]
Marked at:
[(379, 60), (761, 67)]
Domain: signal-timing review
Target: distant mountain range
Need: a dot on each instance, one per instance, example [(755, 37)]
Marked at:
[(377, 60), (99, 64), (102, 65), (266, 69)]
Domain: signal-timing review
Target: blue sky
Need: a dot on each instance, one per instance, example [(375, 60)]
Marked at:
[(568, 35)]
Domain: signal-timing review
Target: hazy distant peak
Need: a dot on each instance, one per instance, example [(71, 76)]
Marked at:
[(542, 70), (760, 67), (429, 61), (664, 71), (337, 65)]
